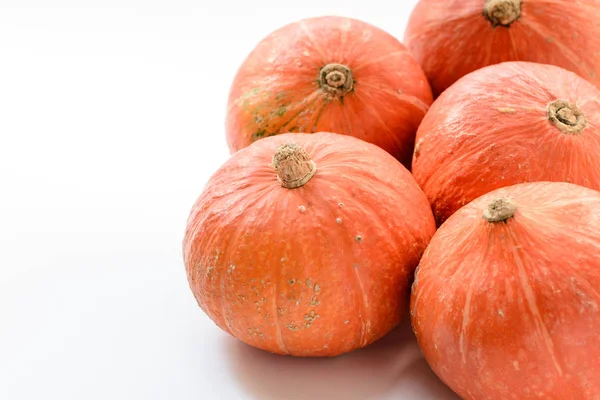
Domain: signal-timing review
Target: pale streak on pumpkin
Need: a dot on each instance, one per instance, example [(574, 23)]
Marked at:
[(469, 276), (379, 60), (571, 56), (465, 320), (313, 40), (409, 100), (365, 306), (414, 101), (245, 212), (532, 304), (545, 343), (345, 27), (275, 296), (390, 135)]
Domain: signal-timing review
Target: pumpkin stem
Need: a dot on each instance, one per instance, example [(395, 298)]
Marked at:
[(567, 117), (293, 165), (336, 79), (502, 12), (500, 210)]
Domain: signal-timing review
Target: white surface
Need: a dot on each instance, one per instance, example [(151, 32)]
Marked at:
[(111, 121)]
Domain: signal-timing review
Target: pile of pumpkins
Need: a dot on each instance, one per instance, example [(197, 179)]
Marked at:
[(454, 177)]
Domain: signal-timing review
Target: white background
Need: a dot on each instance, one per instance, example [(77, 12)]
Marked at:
[(111, 121)]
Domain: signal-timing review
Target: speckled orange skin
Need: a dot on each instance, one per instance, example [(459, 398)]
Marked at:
[(451, 38), (509, 310), (319, 270), (277, 90), (491, 129)]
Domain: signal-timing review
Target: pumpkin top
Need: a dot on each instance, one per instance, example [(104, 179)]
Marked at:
[(500, 210), (293, 165), (567, 117), (336, 79), (502, 12)]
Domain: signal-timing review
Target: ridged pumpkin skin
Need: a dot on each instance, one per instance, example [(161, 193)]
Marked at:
[(493, 129), (281, 86), (509, 309), (317, 270), (451, 38)]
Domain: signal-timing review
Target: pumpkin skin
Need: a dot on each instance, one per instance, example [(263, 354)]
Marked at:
[(497, 127), (451, 38), (317, 270), (282, 87), (509, 309)]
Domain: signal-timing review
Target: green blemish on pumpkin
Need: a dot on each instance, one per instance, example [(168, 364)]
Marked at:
[(281, 111), (290, 120), (259, 134), (253, 92), (248, 96), (258, 118)]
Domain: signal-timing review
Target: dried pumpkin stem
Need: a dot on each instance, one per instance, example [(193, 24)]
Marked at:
[(293, 165), (567, 117), (502, 12), (336, 79), (500, 210)]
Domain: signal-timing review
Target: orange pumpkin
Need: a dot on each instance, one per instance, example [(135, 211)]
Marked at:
[(329, 74), (506, 298), (307, 248), (506, 124), (451, 38)]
